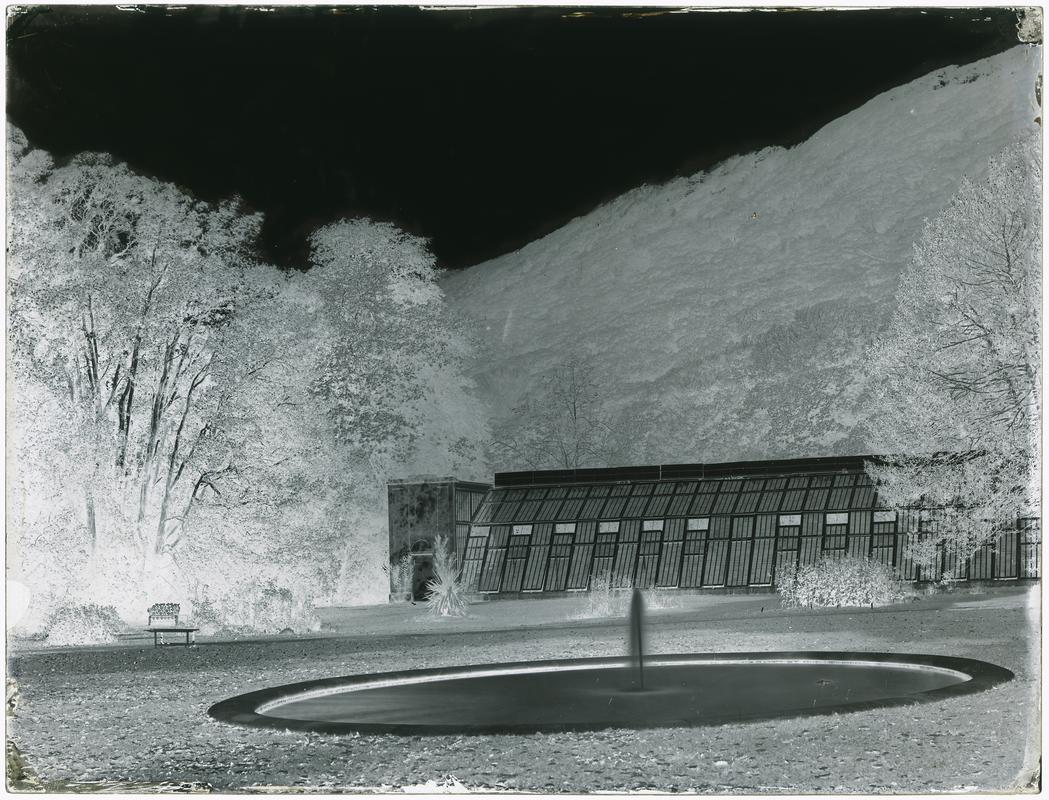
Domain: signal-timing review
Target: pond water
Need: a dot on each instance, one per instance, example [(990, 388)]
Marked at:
[(598, 693)]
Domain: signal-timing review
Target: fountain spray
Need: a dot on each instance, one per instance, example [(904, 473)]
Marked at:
[(636, 653)]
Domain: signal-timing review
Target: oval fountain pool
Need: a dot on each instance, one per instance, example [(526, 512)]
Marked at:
[(595, 693)]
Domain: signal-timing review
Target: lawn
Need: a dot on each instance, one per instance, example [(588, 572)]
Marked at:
[(135, 714)]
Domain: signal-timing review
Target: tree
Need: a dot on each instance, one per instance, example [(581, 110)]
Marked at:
[(269, 526), (386, 324), (387, 351), (955, 399), (565, 425), (123, 294), (190, 424)]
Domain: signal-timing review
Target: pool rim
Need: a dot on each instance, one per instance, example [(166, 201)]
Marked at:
[(244, 709)]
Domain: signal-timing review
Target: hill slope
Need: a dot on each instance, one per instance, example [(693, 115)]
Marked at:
[(732, 308)]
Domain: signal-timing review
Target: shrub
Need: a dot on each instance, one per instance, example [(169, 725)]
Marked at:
[(841, 582), (14, 696), (445, 596), (403, 570), (659, 598), (254, 606), (604, 601), (83, 624)]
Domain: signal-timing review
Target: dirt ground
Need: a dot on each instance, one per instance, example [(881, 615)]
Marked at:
[(129, 716)]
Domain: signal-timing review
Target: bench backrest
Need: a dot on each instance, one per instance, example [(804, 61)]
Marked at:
[(163, 612)]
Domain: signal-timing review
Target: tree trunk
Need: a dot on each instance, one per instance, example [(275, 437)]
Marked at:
[(174, 474), (92, 528), (125, 403)]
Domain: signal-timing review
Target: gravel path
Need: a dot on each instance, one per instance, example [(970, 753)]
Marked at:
[(133, 713)]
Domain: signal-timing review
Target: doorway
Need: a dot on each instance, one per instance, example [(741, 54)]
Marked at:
[(422, 569)]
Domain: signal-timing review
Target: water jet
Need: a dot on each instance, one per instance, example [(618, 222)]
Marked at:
[(636, 651)]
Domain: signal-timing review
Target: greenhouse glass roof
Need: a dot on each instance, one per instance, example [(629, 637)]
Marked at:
[(741, 524)]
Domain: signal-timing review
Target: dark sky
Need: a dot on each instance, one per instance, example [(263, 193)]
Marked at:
[(481, 130)]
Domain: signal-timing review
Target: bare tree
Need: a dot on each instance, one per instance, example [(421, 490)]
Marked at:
[(955, 401), (564, 424)]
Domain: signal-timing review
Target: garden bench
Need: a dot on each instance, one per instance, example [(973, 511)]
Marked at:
[(163, 618)]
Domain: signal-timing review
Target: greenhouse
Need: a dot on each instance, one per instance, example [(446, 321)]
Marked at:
[(696, 526)]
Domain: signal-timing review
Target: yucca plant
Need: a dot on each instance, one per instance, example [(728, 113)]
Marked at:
[(445, 596)]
